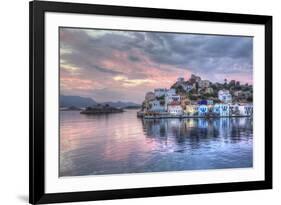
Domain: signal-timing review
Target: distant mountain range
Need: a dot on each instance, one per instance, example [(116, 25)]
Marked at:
[(78, 101)]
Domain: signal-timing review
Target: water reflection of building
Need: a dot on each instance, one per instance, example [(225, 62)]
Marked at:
[(179, 131), (202, 123)]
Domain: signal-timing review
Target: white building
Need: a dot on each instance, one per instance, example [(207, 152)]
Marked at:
[(246, 110), (175, 109), (171, 99), (170, 92), (241, 110), (155, 106), (222, 109), (225, 96), (159, 92)]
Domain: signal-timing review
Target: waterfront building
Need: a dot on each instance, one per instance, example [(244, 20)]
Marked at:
[(225, 96), (191, 110), (224, 110), (202, 110), (149, 96), (234, 110), (221, 109), (246, 110), (155, 106), (175, 108), (172, 99)]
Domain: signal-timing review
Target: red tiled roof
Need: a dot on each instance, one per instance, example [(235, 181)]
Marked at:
[(174, 103)]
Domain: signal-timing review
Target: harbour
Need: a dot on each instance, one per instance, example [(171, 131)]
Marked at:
[(146, 102), (123, 143), (190, 117)]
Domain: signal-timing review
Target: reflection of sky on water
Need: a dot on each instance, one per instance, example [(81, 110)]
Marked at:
[(122, 143)]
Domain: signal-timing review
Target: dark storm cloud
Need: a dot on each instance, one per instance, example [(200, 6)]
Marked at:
[(87, 52), (201, 53), (133, 58), (106, 70), (102, 57)]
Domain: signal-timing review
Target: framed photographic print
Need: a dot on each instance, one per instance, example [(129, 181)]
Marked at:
[(140, 102)]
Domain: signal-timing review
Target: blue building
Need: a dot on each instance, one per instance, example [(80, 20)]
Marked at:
[(202, 110)]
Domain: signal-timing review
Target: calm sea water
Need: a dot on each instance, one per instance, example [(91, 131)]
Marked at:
[(122, 143)]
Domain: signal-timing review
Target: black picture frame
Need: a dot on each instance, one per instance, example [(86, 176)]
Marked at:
[(37, 9)]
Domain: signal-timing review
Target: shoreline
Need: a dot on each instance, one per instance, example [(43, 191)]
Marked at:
[(191, 117)]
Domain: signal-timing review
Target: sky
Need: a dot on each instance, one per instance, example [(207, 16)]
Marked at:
[(112, 65)]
